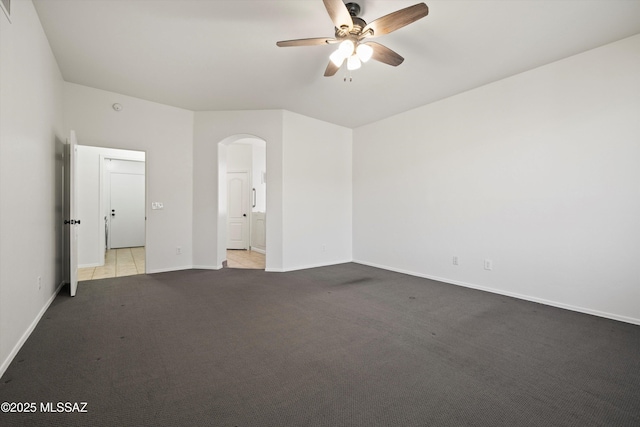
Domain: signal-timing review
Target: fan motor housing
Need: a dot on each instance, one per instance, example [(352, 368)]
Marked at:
[(358, 23)]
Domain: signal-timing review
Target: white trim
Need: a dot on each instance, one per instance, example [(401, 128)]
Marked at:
[(166, 270), (592, 312), (101, 208), (207, 267), (27, 333), (305, 267), (183, 267), (256, 249)]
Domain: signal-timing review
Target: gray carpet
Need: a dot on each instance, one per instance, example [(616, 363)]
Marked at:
[(345, 345)]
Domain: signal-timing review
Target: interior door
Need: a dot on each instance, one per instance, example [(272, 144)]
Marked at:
[(238, 210), (72, 214), (127, 210)]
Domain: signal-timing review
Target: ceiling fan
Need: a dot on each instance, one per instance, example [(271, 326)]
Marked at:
[(353, 33)]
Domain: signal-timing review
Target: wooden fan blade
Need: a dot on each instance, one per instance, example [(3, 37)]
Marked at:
[(332, 69), (395, 20), (384, 54), (339, 14), (307, 42)]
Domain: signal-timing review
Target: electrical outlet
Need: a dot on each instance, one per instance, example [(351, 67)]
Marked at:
[(324, 248), (455, 260), (39, 282), (179, 250), (488, 264)]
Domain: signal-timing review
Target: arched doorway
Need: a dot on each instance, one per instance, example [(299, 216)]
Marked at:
[(242, 203)]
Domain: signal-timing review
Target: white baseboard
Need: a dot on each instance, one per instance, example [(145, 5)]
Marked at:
[(207, 267), (598, 313), (305, 267), (166, 270), (183, 267), (27, 333), (256, 249)]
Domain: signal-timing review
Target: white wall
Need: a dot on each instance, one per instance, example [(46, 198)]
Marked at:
[(165, 134), (31, 168), (239, 158), (538, 172), (91, 236), (210, 129), (317, 193), (309, 165)]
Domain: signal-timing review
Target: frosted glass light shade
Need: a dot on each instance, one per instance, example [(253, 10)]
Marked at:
[(364, 52), (337, 57), (345, 50), (346, 47), (353, 63)]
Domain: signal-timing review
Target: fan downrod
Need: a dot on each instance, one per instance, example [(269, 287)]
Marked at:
[(353, 8)]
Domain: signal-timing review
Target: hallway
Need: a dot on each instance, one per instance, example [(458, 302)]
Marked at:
[(117, 263), (245, 259)]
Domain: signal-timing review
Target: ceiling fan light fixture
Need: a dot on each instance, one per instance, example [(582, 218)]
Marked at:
[(353, 63), (364, 52), (345, 50), (350, 30), (337, 57), (346, 47)]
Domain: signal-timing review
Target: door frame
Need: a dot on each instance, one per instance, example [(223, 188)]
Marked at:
[(101, 201)]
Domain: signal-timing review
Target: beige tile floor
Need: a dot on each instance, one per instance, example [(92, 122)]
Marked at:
[(131, 261), (245, 259), (117, 263)]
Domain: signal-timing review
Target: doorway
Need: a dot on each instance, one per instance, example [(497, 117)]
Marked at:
[(112, 236), (242, 193), (124, 189)]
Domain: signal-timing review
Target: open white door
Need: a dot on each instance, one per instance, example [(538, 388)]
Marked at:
[(71, 220)]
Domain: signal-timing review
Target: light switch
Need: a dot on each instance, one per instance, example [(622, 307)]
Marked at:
[(156, 205)]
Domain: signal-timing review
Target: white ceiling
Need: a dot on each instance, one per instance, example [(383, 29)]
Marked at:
[(208, 55)]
